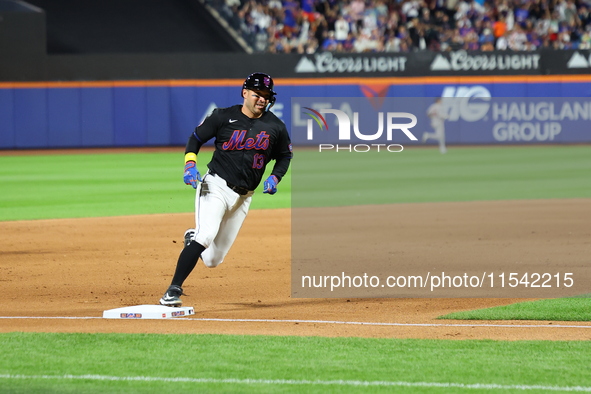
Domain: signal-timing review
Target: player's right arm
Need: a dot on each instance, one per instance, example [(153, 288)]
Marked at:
[(202, 133)]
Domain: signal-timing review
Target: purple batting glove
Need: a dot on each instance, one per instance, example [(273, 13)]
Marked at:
[(191, 175), (270, 185)]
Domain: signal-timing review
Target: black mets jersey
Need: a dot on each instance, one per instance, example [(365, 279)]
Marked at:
[(243, 146)]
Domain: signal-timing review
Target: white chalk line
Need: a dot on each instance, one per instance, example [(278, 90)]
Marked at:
[(357, 323), (358, 383), (393, 324)]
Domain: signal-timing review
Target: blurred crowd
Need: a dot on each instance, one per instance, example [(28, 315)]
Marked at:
[(310, 26)]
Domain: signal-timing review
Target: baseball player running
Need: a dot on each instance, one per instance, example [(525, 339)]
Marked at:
[(437, 114), (247, 138)]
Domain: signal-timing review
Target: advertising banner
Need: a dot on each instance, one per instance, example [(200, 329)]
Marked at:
[(479, 111), (461, 63), (476, 118), (567, 62)]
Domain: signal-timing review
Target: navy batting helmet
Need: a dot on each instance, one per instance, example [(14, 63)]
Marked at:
[(261, 82)]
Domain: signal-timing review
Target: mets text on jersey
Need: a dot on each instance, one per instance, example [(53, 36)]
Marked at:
[(237, 141)]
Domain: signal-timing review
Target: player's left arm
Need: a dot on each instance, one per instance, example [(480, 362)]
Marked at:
[(282, 153)]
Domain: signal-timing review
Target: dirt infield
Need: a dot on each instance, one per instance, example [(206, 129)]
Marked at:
[(52, 269)]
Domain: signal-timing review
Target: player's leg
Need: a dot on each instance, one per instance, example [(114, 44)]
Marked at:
[(428, 136), (229, 228), (441, 139), (210, 207)]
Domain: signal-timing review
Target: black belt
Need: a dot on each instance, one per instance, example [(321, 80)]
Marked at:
[(237, 189), (240, 190)]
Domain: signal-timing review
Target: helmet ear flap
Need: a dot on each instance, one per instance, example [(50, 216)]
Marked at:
[(271, 103)]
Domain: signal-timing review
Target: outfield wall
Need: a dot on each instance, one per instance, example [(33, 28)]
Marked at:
[(164, 112)]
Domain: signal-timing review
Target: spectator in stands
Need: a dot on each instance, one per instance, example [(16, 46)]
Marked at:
[(381, 8), (537, 9), (542, 26), (475, 10), (568, 8), (272, 4), (445, 40), (502, 43), (517, 39), (404, 37), (487, 47), (311, 46), (457, 40), (260, 17), (432, 36), (400, 25), (450, 8), (410, 9), (533, 39), (584, 15), (404, 47), (392, 44), (291, 14), (426, 18), (564, 41), (331, 17), (365, 43), (320, 29), (417, 35), (248, 27), (585, 40), (529, 46), (576, 32), (500, 26), (330, 42), (308, 9), (349, 43), (356, 11), (369, 22), (486, 38), (341, 29), (522, 13)]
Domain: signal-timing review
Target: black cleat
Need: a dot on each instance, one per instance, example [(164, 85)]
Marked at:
[(172, 296)]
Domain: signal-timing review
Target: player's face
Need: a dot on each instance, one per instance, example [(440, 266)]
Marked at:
[(255, 102)]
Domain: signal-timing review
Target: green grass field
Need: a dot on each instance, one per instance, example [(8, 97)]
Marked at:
[(51, 186), (422, 175), (116, 363), (74, 186), (556, 309)]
